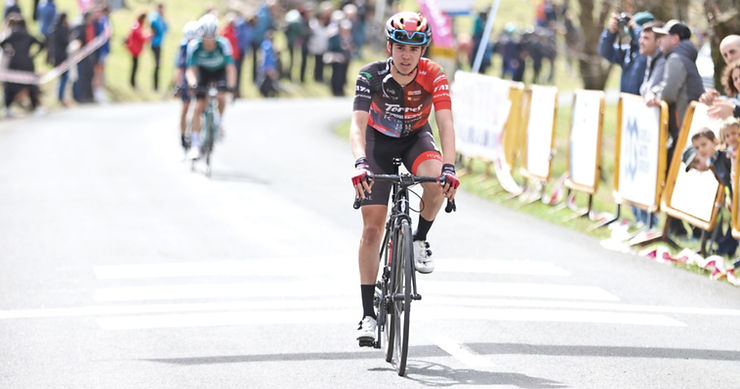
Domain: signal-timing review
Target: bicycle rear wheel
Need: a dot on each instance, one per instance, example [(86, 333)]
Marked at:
[(210, 131), (402, 295)]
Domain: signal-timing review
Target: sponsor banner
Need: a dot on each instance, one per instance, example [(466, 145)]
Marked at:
[(693, 196), (641, 137), (457, 7), (30, 78), (480, 107), (584, 154), (441, 23), (540, 131)]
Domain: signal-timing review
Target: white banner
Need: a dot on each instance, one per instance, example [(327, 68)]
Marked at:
[(540, 130), (480, 106), (585, 134), (639, 151), (694, 192)]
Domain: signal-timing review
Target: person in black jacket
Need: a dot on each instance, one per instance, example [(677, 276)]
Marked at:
[(17, 46), (59, 42)]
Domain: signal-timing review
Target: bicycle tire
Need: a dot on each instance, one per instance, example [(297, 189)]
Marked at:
[(402, 307), (390, 331)]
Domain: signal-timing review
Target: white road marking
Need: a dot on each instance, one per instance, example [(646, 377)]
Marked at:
[(329, 287), (278, 266)]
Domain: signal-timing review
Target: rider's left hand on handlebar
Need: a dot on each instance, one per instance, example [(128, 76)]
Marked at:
[(360, 178), (449, 181)]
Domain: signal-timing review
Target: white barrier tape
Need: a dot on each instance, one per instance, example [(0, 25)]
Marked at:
[(30, 78)]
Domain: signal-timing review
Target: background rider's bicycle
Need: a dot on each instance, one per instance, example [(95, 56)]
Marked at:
[(209, 123), (396, 288)]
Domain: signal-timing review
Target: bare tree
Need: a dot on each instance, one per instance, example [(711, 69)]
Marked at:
[(594, 70), (723, 19)]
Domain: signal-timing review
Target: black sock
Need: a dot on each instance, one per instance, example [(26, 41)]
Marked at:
[(422, 229), (368, 294)]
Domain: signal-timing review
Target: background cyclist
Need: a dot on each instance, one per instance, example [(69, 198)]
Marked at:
[(393, 101), (209, 60), (190, 32)]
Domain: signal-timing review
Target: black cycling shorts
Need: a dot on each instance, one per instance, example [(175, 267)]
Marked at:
[(381, 149), (205, 77)]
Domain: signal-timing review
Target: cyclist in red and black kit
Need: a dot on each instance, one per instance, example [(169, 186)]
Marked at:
[(393, 101)]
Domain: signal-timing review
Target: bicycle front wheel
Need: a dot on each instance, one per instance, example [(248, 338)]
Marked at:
[(402, 295)]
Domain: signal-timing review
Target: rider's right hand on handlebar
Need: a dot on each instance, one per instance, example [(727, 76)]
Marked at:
[(360, 178)]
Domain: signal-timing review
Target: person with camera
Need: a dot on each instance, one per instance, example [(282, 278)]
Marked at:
[(624, 26)]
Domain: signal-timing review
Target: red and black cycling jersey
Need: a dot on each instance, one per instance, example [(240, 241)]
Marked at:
[(395, 110)]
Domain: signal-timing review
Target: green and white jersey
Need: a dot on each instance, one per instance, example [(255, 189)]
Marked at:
[(212, 60)]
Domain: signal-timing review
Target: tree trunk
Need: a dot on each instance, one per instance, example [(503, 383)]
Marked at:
[(594, 69), (723, 20)]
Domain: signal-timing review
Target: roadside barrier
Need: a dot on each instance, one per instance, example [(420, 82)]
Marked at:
[(693, 196), (584, 151), (503, 125), (30, 78)]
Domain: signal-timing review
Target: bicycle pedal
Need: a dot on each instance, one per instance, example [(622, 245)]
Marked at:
[(367, 343)]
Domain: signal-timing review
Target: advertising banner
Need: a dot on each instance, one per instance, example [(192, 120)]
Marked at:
[(584, 153), (641, 152), (540, 133), (693, 196), (480, 106)]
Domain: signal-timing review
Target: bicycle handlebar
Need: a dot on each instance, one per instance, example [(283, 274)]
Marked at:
[(406, 181)]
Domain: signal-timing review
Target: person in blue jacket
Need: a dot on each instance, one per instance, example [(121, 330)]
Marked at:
[(626, 55), (159, 29)]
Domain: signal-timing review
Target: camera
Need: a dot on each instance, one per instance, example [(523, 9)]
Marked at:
[(622, 20)]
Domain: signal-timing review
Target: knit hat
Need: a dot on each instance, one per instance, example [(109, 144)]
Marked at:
[(643, 17)]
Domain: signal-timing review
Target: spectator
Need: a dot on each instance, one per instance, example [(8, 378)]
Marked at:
[(47, 12), (18, 46), (627, 56), (306, 16), (512, 53), (11, 6), (724, 108), (83, 33), (681, 82), (229, 32), (60, 41), (479, 27), (159, 29), (135, 44), (269, 73), (102, 26), (352, 12), (263, 22), (650, 49), (339, 53), (244, 37), (294, 34), (319, 42)]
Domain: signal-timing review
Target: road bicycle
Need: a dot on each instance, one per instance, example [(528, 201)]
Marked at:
[(209, 123), (396, 288)]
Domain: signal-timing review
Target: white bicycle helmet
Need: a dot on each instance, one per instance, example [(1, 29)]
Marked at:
[(190, 30), (208, 26)]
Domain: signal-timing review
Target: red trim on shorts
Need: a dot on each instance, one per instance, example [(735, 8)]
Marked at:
[(425, 156)]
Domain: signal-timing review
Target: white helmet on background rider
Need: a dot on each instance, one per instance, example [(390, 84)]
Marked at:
[(208, 26), (191, 30)]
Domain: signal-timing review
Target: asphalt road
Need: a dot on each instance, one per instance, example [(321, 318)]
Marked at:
[(120, 268)]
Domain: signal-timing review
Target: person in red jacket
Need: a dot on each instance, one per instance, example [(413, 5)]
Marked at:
[(229, 32), (135, 43)]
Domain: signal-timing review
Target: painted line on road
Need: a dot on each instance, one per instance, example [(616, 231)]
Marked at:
[(349, 301), (278, 266), (339, 316), (306, 288), (461, 352)]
